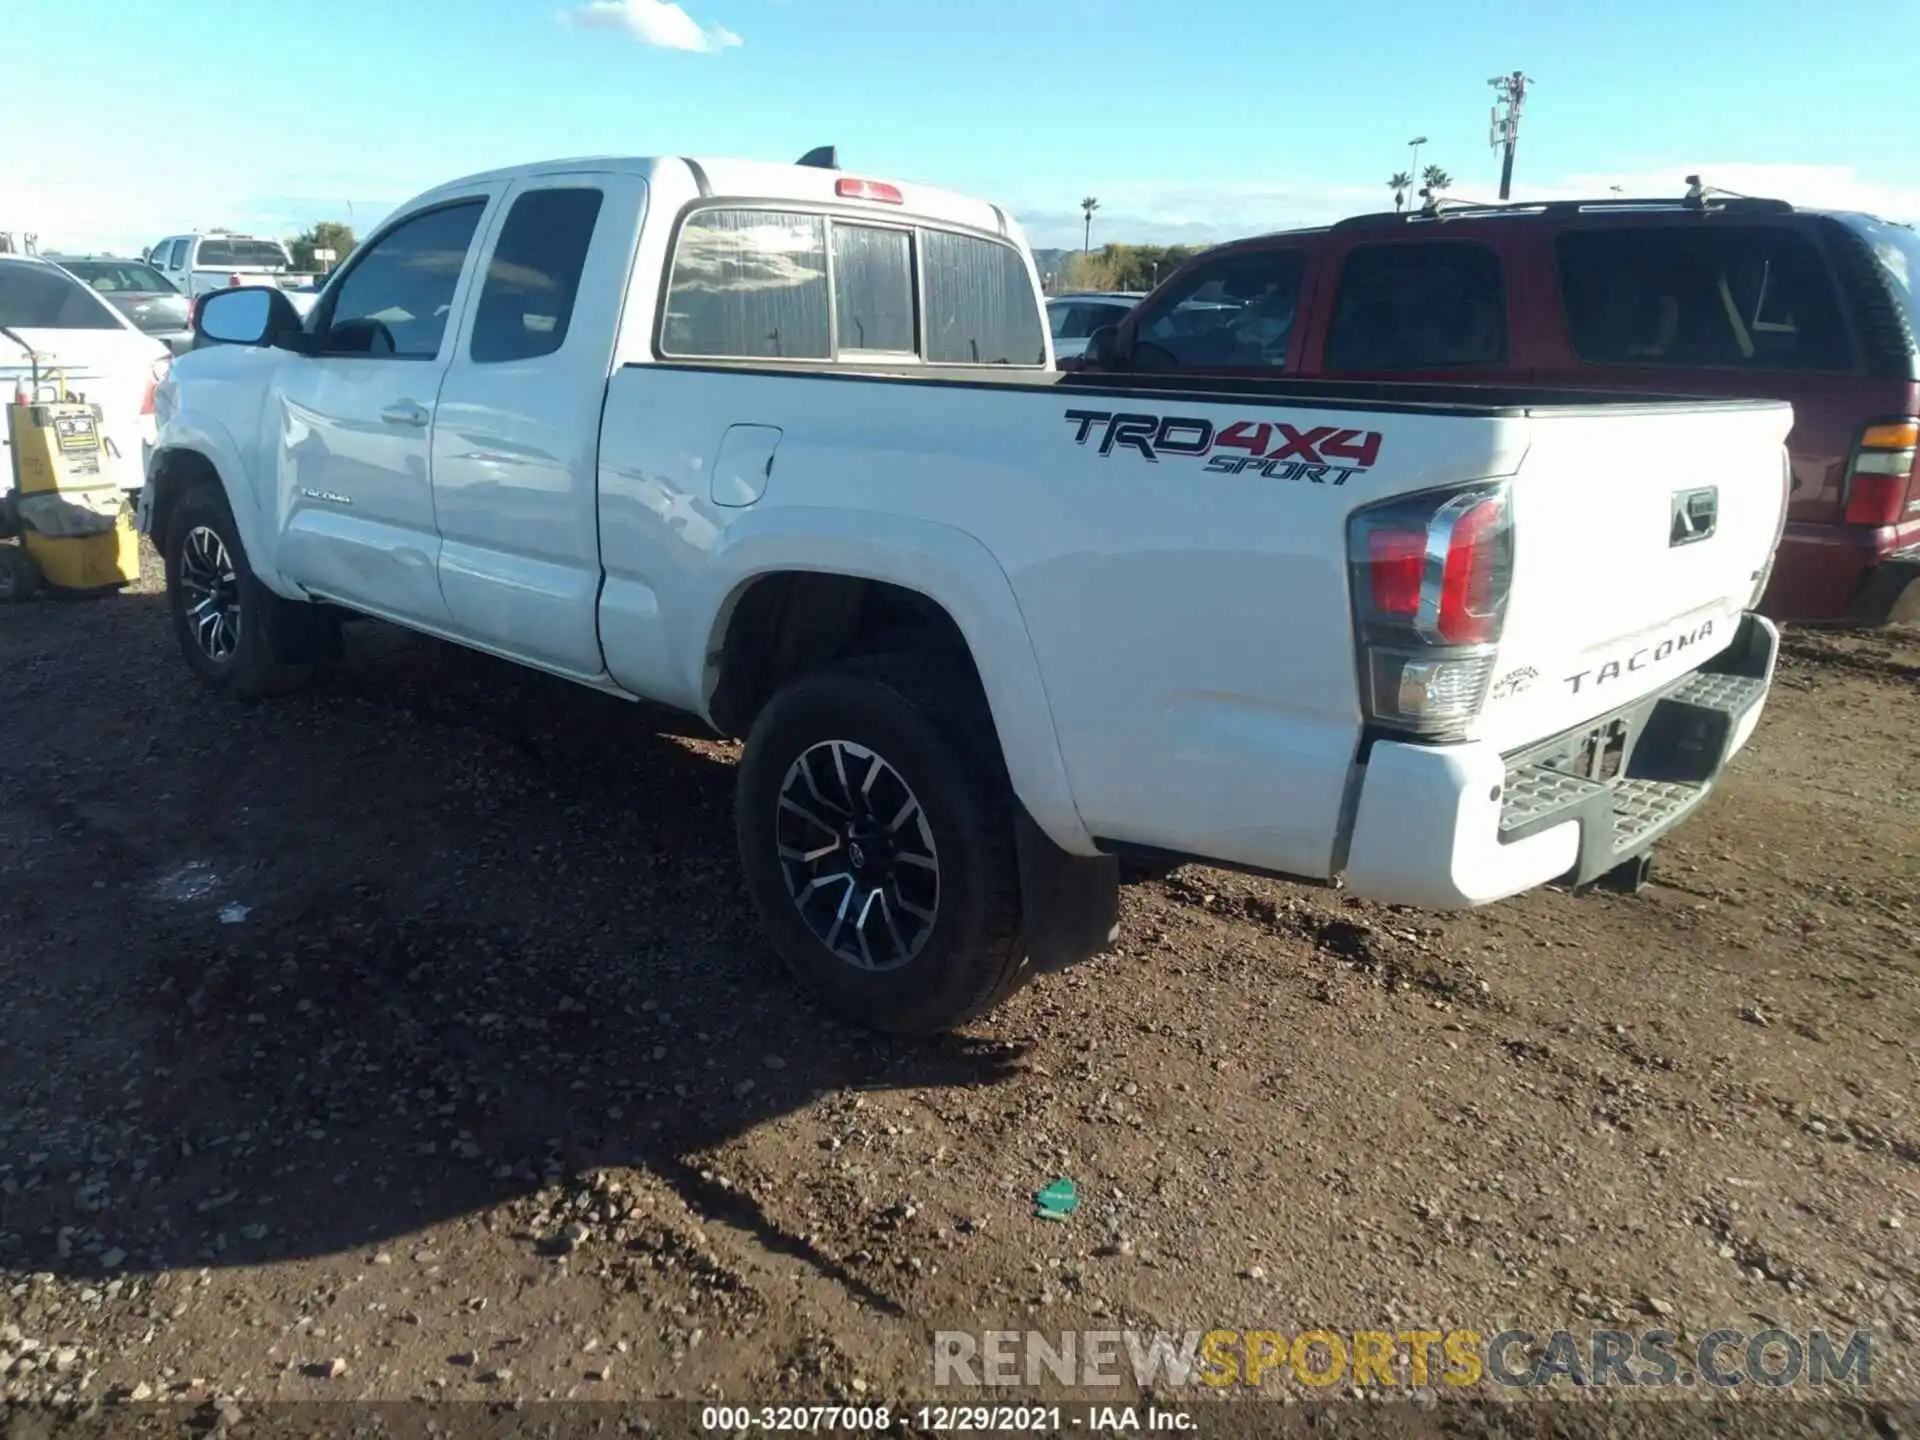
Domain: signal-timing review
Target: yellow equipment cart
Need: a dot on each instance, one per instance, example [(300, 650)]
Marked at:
[(69, 525)]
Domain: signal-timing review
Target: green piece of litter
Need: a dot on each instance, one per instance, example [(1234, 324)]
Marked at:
[(1056, 1201)]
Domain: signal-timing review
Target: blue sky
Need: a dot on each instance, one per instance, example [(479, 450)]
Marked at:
[(1190, 119)]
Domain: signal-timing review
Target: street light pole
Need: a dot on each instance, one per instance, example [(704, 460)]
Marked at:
[(1416, 143)]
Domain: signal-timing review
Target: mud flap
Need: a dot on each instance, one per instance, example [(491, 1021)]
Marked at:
[(1072, 902)]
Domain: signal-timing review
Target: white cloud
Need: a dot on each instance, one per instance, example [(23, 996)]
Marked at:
[(659, 23), (1153, 212)]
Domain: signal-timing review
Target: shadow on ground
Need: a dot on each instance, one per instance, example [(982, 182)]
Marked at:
[(310, 976)]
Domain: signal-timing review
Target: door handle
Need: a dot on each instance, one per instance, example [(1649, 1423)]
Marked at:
[(405, 413)]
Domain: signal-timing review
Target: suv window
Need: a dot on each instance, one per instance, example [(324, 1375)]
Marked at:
[(1421, 306), (873, 288), (395, 301), (1897, 249), (1746, 296), (980, 303), (526, 304), (749, 284), (1237, 310)]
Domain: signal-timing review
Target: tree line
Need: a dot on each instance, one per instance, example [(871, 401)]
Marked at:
[(326, 235), (1123, 267)]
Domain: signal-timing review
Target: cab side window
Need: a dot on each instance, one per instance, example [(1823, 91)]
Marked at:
[(1427, 305), (395, 301), (1237, 311), (533, 278)]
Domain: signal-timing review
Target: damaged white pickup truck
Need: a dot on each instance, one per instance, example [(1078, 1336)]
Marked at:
[(783, 447)]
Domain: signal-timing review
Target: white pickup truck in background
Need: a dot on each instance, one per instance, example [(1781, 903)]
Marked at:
[(220, 260), (782, 447)]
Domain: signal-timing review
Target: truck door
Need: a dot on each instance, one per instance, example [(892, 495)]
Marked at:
[(356, 419), (516, 442)]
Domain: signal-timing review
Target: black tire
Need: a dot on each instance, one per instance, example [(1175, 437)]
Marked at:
[(19, 576), (927, 729), (247, 663)]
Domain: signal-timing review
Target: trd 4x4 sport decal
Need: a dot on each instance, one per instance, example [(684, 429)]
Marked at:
[(1322, 454)]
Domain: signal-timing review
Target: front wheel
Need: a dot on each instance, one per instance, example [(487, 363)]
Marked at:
[(878, 846), (230, 626), (19, 576)]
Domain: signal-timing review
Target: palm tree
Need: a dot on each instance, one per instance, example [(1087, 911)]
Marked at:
[(1087, 207), (1400, 184), (1437, 179)]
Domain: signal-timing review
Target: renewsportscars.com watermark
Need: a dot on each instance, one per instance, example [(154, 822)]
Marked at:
[(1518, 1359)]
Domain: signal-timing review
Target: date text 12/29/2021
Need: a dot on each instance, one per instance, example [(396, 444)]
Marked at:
[(941, 1419)]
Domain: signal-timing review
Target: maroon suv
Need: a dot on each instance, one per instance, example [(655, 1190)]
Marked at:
[(1710, 297)]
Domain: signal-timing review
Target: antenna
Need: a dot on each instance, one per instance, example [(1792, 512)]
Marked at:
[(821, 157)]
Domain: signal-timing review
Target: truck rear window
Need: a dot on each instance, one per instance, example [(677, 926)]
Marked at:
[(980, 305), (1701, 294), (215, 254), (752, 284)]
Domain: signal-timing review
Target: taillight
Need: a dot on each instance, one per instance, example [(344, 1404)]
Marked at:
[(1765, 573), (1881, 473), (1430, 577), (157, 377)]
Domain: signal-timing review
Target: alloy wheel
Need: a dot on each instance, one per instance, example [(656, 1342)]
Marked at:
[(858, 855), (210, 586)]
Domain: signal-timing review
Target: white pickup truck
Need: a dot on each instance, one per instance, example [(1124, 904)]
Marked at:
[(221, 260), (783, 447)]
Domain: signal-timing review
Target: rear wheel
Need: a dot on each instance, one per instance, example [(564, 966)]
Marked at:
[(232, 630), (878, 845)]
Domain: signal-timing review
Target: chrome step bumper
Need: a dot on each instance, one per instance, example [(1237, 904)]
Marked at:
[(1629, 777)]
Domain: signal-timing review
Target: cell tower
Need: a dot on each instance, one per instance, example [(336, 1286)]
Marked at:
[(1505, 131)]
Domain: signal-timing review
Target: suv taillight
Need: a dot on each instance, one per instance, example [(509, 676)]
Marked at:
[(1430, 575), (1881, 472)]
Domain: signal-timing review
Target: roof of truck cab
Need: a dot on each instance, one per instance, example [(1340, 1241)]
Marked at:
[(761, 180)]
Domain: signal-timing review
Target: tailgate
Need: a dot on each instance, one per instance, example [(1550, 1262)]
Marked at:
[(1640, 535), (253, 275)]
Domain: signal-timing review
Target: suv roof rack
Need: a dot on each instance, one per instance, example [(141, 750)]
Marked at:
[(1697, 201)]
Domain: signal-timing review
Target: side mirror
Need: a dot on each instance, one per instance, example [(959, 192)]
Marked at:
[(246, 315), (1104, 350)]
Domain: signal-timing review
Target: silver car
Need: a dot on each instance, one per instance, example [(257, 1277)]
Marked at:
[(138, 291)]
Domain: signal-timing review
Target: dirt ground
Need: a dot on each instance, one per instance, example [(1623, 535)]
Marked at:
[(412, 1037)]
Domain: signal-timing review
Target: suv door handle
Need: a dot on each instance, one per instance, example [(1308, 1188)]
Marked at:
[(405, 413)]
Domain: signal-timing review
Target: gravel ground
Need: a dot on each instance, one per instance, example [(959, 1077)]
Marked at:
[(411, 1037)]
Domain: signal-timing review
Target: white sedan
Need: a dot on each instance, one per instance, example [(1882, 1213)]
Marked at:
[(53, 325)]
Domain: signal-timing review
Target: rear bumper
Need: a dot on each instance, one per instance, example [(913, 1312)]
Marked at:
[(1454, 826), (1891, 591), (1841, 572)]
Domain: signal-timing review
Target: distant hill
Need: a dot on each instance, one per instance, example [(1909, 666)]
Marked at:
[(1051, 262)]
